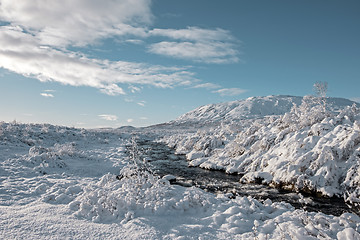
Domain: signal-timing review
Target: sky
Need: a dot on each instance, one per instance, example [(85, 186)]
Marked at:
[(112, 63)]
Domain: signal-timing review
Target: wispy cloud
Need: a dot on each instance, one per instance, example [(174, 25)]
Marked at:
[(108, 117), (142, 103), (80, 22), (130, 120), (194, 34), (134, 89), (112, 89), (207, 86), (199, 52), (135, 41), (47, 95), (230, 91), (197, 44)]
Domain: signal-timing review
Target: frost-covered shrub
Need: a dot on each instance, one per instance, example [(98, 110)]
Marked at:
[(135, 191), (315, 158), (235, 149), (44, 159), (308, 113), (135, 194)]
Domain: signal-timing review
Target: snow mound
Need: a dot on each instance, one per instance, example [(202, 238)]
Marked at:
[(252, 107)]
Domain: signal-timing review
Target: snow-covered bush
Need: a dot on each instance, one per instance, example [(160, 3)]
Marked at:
[(136, 193), (315, 158), (307, 114), (44, 159)]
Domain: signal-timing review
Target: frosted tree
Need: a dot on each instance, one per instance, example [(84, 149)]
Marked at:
[(313, 109), (320, 89)]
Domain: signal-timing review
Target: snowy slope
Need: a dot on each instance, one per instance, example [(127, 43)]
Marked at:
[(252, 107), (310, 148)]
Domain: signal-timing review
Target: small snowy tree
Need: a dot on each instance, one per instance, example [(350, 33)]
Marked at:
[(313, 109), (320, 89)]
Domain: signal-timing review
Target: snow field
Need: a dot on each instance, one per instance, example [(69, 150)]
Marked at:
[(66, 183)]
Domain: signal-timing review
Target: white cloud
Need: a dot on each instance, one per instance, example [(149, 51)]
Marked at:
[(208, 52), (230, 91), (144, 118), (112, 90), (77, 22), (194, 34), (197, 44), (142, 103), (134, 89), (130, 120), (108, 117), (48, 95), (207, 86), (49, 90), (135, 41)]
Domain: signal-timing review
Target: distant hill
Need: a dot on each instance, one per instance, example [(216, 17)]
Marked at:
[(252, 107)]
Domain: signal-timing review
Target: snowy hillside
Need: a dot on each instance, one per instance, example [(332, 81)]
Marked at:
[(252, 107), (311, 148)]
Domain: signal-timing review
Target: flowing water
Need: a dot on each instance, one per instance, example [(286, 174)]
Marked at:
[(163, 161)]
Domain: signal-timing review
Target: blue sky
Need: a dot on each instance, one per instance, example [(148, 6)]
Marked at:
[(90, 63)]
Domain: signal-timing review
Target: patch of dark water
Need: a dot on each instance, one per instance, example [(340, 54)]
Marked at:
[(162, 161)]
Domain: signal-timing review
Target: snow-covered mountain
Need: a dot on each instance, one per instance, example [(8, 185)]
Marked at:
[(252, 107)]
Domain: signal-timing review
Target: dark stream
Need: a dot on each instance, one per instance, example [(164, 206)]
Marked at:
[(163, 161)]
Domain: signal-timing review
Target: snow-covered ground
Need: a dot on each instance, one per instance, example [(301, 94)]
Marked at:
[(67, 183)]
